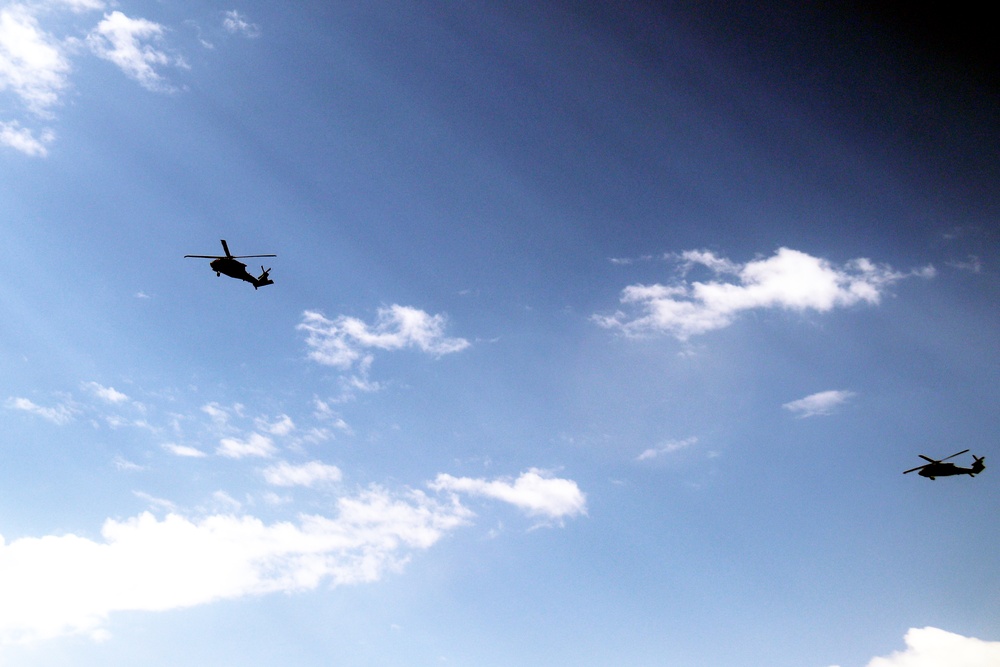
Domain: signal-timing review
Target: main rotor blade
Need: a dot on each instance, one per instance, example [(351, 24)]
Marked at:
[(912, 469), (927, 458), (242, 256), (206, 256), (954, 455), (225, 247)]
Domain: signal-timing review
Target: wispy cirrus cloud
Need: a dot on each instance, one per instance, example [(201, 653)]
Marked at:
[(932, 647), (236, 23), (536, 492), (134, 45), (788, 280), (345, 342), (57, 414), (667, 447), (820, 403)]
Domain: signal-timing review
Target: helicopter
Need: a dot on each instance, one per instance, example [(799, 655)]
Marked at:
[(229, 265), (938, 467)]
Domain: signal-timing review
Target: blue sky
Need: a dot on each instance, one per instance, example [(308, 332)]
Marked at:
[(597, 337)]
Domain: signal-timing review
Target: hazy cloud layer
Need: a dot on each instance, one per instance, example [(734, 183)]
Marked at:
[(789, 280), (820, 403)]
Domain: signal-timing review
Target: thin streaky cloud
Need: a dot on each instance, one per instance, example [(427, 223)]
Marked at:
[(667, 447), (184, 450), (820, 403), (536, 492), (309, 474)]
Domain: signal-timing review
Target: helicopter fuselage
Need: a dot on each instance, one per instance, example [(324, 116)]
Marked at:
[(945, 469), (232, 268)]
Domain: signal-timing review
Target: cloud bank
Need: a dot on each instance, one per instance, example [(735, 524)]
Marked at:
[(788, 280), (68, 584), (931, 647)]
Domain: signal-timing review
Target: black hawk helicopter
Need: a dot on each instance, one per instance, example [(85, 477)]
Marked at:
[(229, 265), (938, 467)]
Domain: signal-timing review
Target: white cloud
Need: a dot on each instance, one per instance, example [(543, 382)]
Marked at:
[(237, 24), (128, 43), (789, 279), (184, 450), (32, 65), (343, 342), (67, 584), (59, 414), (255, 445), (666, 448), (108, 394), (535, 492), (23, 139), (820, 403), (283, 425), (307, 474), (931, 647)]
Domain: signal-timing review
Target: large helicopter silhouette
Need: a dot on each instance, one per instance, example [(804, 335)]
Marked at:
[(229, 265), (938, 467)]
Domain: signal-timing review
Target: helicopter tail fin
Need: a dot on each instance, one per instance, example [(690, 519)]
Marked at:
[(263, 278), (978, 466)]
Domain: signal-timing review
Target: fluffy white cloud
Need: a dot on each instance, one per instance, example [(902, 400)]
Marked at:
[(129, 44), (109, 394), (65, 584), (59, 414), (344, 341), (820, 403), (535, 492), (23, 139), (282, 425), (789, 279), (931, 647), (32, 65), (255, 445), (307, 474)]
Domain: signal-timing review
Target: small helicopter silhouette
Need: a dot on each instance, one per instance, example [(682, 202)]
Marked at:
[(229, 265), (938, 467)]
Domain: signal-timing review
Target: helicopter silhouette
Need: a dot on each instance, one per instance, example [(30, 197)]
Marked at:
[(938, 467), (229, 265)]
